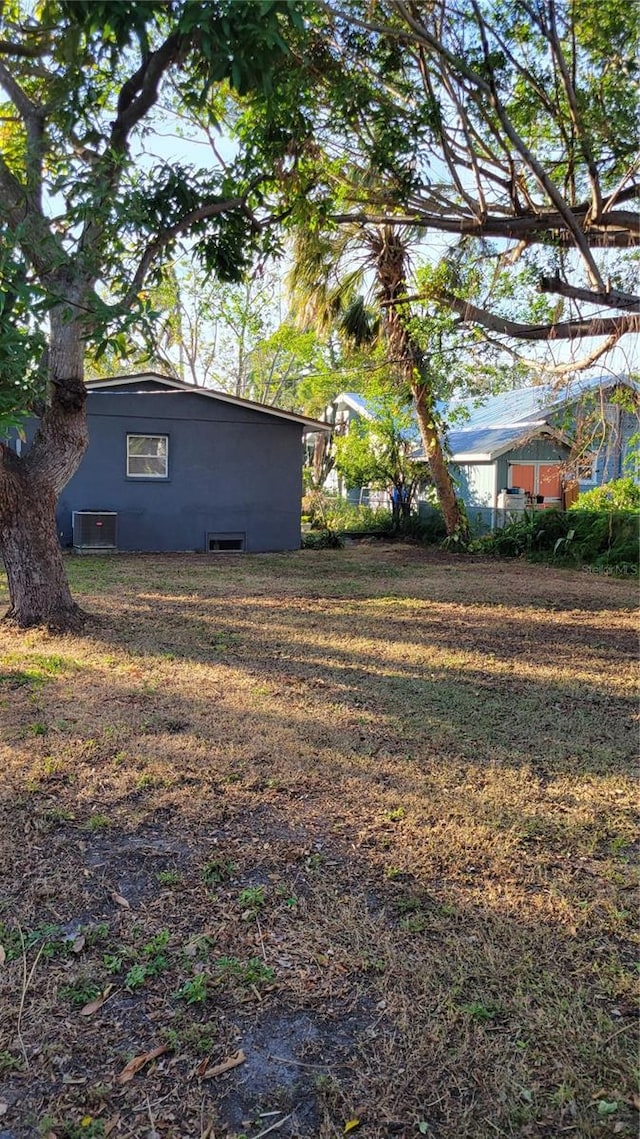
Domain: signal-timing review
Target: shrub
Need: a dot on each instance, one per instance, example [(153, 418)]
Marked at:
[(618, 495), (575, 537), (321, 540)]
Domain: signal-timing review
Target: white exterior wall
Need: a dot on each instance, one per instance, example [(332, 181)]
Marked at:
[(481, 483)]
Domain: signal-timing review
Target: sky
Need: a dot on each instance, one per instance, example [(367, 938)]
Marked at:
[(178, 140)]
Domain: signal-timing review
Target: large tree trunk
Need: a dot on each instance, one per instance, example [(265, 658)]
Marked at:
[(29, 488), (455, 518), (38, 586), (391, 267)]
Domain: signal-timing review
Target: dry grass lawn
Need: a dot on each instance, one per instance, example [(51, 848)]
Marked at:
[(357, 822)]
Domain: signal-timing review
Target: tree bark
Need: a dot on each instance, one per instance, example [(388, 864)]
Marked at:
[(391, 262), (29, 487), (38, 586), (453, 512)]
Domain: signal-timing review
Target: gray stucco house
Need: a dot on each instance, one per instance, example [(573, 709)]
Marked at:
[(171, 467)]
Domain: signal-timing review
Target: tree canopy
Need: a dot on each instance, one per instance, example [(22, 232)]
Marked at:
[(87, 217), (505, 133)]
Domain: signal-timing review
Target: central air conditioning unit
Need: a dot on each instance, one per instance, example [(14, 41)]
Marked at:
[(94, 530)]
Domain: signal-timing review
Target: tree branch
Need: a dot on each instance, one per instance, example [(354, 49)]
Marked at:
[(7, 47), (612, 298), (33, 118), (556, 47), (567, 330), (213, 209), (619, 229), (39, 245), (136, 97), (140, 91), (527, 155)]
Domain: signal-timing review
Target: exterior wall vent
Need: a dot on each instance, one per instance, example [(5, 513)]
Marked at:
[(94, 529), (224, 543)]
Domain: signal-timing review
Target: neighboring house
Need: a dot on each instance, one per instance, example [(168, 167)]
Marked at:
[(546, 442), (339, 413), (171, 467)]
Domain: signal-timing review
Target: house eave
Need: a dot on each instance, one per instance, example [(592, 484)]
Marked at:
[(533, 431), (305, 421)]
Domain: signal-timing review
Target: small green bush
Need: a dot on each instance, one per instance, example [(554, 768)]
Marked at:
[(618, 495), (321, 540)]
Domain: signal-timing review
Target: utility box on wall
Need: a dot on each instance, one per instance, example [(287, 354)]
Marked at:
[(94, 530)]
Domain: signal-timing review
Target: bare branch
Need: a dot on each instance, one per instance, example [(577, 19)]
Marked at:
[(620, 194), (619, 229), (140, 92), (612, 298), (576, 365), (527, 155), (556, 47), (567, 330)]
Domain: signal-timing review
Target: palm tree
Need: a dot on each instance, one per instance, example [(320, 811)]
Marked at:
[(330, 271)]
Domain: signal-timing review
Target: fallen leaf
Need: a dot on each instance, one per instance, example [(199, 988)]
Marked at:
[(226, 1065), (351, 1125), (97, 1002), (202, 1066), (111, 1124), (120, 901), (79, 944), (139, 1062), (3, 955), (4, 1107)]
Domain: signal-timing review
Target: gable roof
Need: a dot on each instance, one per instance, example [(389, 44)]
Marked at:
[(483, 445), (503, 421), (485, 429), (177, 386), (532, 404)]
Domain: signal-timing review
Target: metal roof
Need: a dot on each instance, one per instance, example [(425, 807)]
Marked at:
[(524, 405), (483, 429)]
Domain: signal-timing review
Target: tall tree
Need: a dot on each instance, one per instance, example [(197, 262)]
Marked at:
[(521, 122), (85, 216), (510, 129), (328, 273)]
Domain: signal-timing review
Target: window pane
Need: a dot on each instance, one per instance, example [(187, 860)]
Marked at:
[(141, 465), (147, 456), (147, 444)]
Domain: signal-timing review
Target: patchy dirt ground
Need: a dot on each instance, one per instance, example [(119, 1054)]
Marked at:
[(299, 845)]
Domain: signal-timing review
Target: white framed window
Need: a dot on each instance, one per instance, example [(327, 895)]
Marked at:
[(147, 456)]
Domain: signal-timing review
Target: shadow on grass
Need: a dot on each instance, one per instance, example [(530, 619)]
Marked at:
[(399, 999), (438, 833)]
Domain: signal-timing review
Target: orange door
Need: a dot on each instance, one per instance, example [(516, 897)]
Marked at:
[(549, 482), (522, 475)]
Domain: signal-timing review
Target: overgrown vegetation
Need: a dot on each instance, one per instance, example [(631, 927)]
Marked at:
[(588, 537), (330, 517), (369, 855), (619, 495)]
